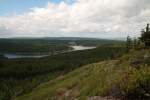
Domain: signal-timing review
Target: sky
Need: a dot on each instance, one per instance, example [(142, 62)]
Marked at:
[(73, 18)]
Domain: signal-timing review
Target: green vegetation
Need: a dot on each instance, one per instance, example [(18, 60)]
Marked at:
[(103, 71), (128, 43), (127, 77), (20, 76), (31, 46), (145, 37), (47, 45), (141, 42)]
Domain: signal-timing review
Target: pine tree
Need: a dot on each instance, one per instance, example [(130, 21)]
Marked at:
[(128, 43), (135, 43), (145, 36)]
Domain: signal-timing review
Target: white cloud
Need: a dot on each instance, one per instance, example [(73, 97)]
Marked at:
[(89, 18)]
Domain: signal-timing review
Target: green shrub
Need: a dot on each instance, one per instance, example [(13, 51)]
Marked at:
[(135, 83)]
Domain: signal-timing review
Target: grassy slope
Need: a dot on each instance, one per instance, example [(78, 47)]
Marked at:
[(128, 76)]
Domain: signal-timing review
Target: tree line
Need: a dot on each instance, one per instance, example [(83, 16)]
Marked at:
[(142, 42)]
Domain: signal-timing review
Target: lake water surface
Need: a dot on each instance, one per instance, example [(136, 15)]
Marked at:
[(76, 48), (14, 56)]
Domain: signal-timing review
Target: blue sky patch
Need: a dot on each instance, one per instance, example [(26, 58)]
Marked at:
[(9, 7)]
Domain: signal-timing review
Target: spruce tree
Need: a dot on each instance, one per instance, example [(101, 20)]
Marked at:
[(145, 36), (128, 43)]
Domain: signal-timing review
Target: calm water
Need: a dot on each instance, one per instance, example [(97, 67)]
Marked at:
[(76, 48), (14, 56)]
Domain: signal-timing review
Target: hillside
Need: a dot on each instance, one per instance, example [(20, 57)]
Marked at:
[(127, 77), (20, 76)]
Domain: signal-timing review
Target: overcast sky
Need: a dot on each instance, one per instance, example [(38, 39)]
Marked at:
[(73, 18)]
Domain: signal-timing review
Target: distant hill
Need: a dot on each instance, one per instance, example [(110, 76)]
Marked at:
[(127, 77), (63, 38), (48, 44)]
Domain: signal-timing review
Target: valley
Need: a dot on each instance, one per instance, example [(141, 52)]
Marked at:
[(21, 75)]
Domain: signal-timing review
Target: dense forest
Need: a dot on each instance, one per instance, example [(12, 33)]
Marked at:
[(48, 45)]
